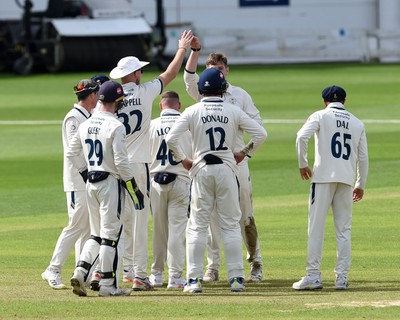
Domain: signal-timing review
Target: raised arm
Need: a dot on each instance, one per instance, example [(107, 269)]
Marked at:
[(173, 68), (189, 76)]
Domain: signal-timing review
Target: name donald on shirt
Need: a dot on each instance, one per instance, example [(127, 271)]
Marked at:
[(214, 118)]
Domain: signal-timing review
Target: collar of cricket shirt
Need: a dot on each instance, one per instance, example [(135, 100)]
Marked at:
[(336, 105)]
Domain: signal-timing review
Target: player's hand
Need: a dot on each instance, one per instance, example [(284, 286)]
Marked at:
[(187, 163), (239, 156), (185, 40), (195, 44), (357, 194), (136, 195), (305, 173)]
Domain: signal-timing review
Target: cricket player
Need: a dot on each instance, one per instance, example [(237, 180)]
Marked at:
[(169, 196), (239, 97), (214, 125), (102, 139), (341, 157), (77, 230), (136, 116)]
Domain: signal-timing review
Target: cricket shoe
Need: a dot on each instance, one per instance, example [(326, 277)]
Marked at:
[(211, 275), (78, 283), (107, 291), (256, 272), (54, 279), (309, 282), (156, 279), (237, 284), (341, 282), (193, 286), (128, 274), (95, 281), (176, 283), (142, 284)]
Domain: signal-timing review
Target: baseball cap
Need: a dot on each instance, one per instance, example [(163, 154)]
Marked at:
[(111, 91), (85, 86), (334, 94), (100, 79), (212, 81), (126, 66)]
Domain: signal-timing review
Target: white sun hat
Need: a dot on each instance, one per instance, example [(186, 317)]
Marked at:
[(126, 66)]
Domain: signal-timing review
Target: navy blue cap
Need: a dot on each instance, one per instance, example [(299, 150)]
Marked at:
[(212, 81), (334, 94), (100, 79), (111, 91)]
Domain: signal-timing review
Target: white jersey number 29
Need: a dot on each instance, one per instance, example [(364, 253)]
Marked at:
[(95, 151)]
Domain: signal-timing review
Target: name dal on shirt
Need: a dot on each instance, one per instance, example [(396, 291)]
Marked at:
[(342, 123)]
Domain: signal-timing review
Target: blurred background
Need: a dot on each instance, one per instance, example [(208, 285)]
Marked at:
[(83, 35)]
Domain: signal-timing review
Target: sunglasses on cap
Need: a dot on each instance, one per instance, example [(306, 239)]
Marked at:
[(86, 86)]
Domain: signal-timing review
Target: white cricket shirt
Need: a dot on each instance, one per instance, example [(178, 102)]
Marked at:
[(136, 117), (162, 157), (72, 180), (102, 139), (214, 125), (341, 152), (234, 95)]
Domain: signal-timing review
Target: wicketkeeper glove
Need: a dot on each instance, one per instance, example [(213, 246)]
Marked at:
[(136, 195), (84, 175)]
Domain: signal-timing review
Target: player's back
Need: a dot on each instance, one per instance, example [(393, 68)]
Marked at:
[(162, 157), (97, 138), (136, 117), (336, 142), (214, 125)]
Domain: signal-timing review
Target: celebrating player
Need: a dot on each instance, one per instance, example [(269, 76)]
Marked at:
[(214, 125), (239, 97), (169, 196), (136, 117), (77, 230), (102, 139), (341, 155)]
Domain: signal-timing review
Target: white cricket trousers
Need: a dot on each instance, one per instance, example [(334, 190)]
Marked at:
[(75, 233), (246, 207), (137, 225), (214, 186), (339, 196), (106, 202), (169, 204)]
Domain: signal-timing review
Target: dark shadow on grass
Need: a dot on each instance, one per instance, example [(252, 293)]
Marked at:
[(274, 288)]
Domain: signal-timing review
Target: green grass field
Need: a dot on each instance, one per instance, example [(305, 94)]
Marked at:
[(33, 213)]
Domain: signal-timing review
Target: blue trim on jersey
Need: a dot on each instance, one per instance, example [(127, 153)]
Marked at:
[(87, 117), (312, 196), (238, 185), (162, 85), (190, 198), (148, 176), (72, 199), (119, 200), (213, 100), (186, 70), (170, 115)]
